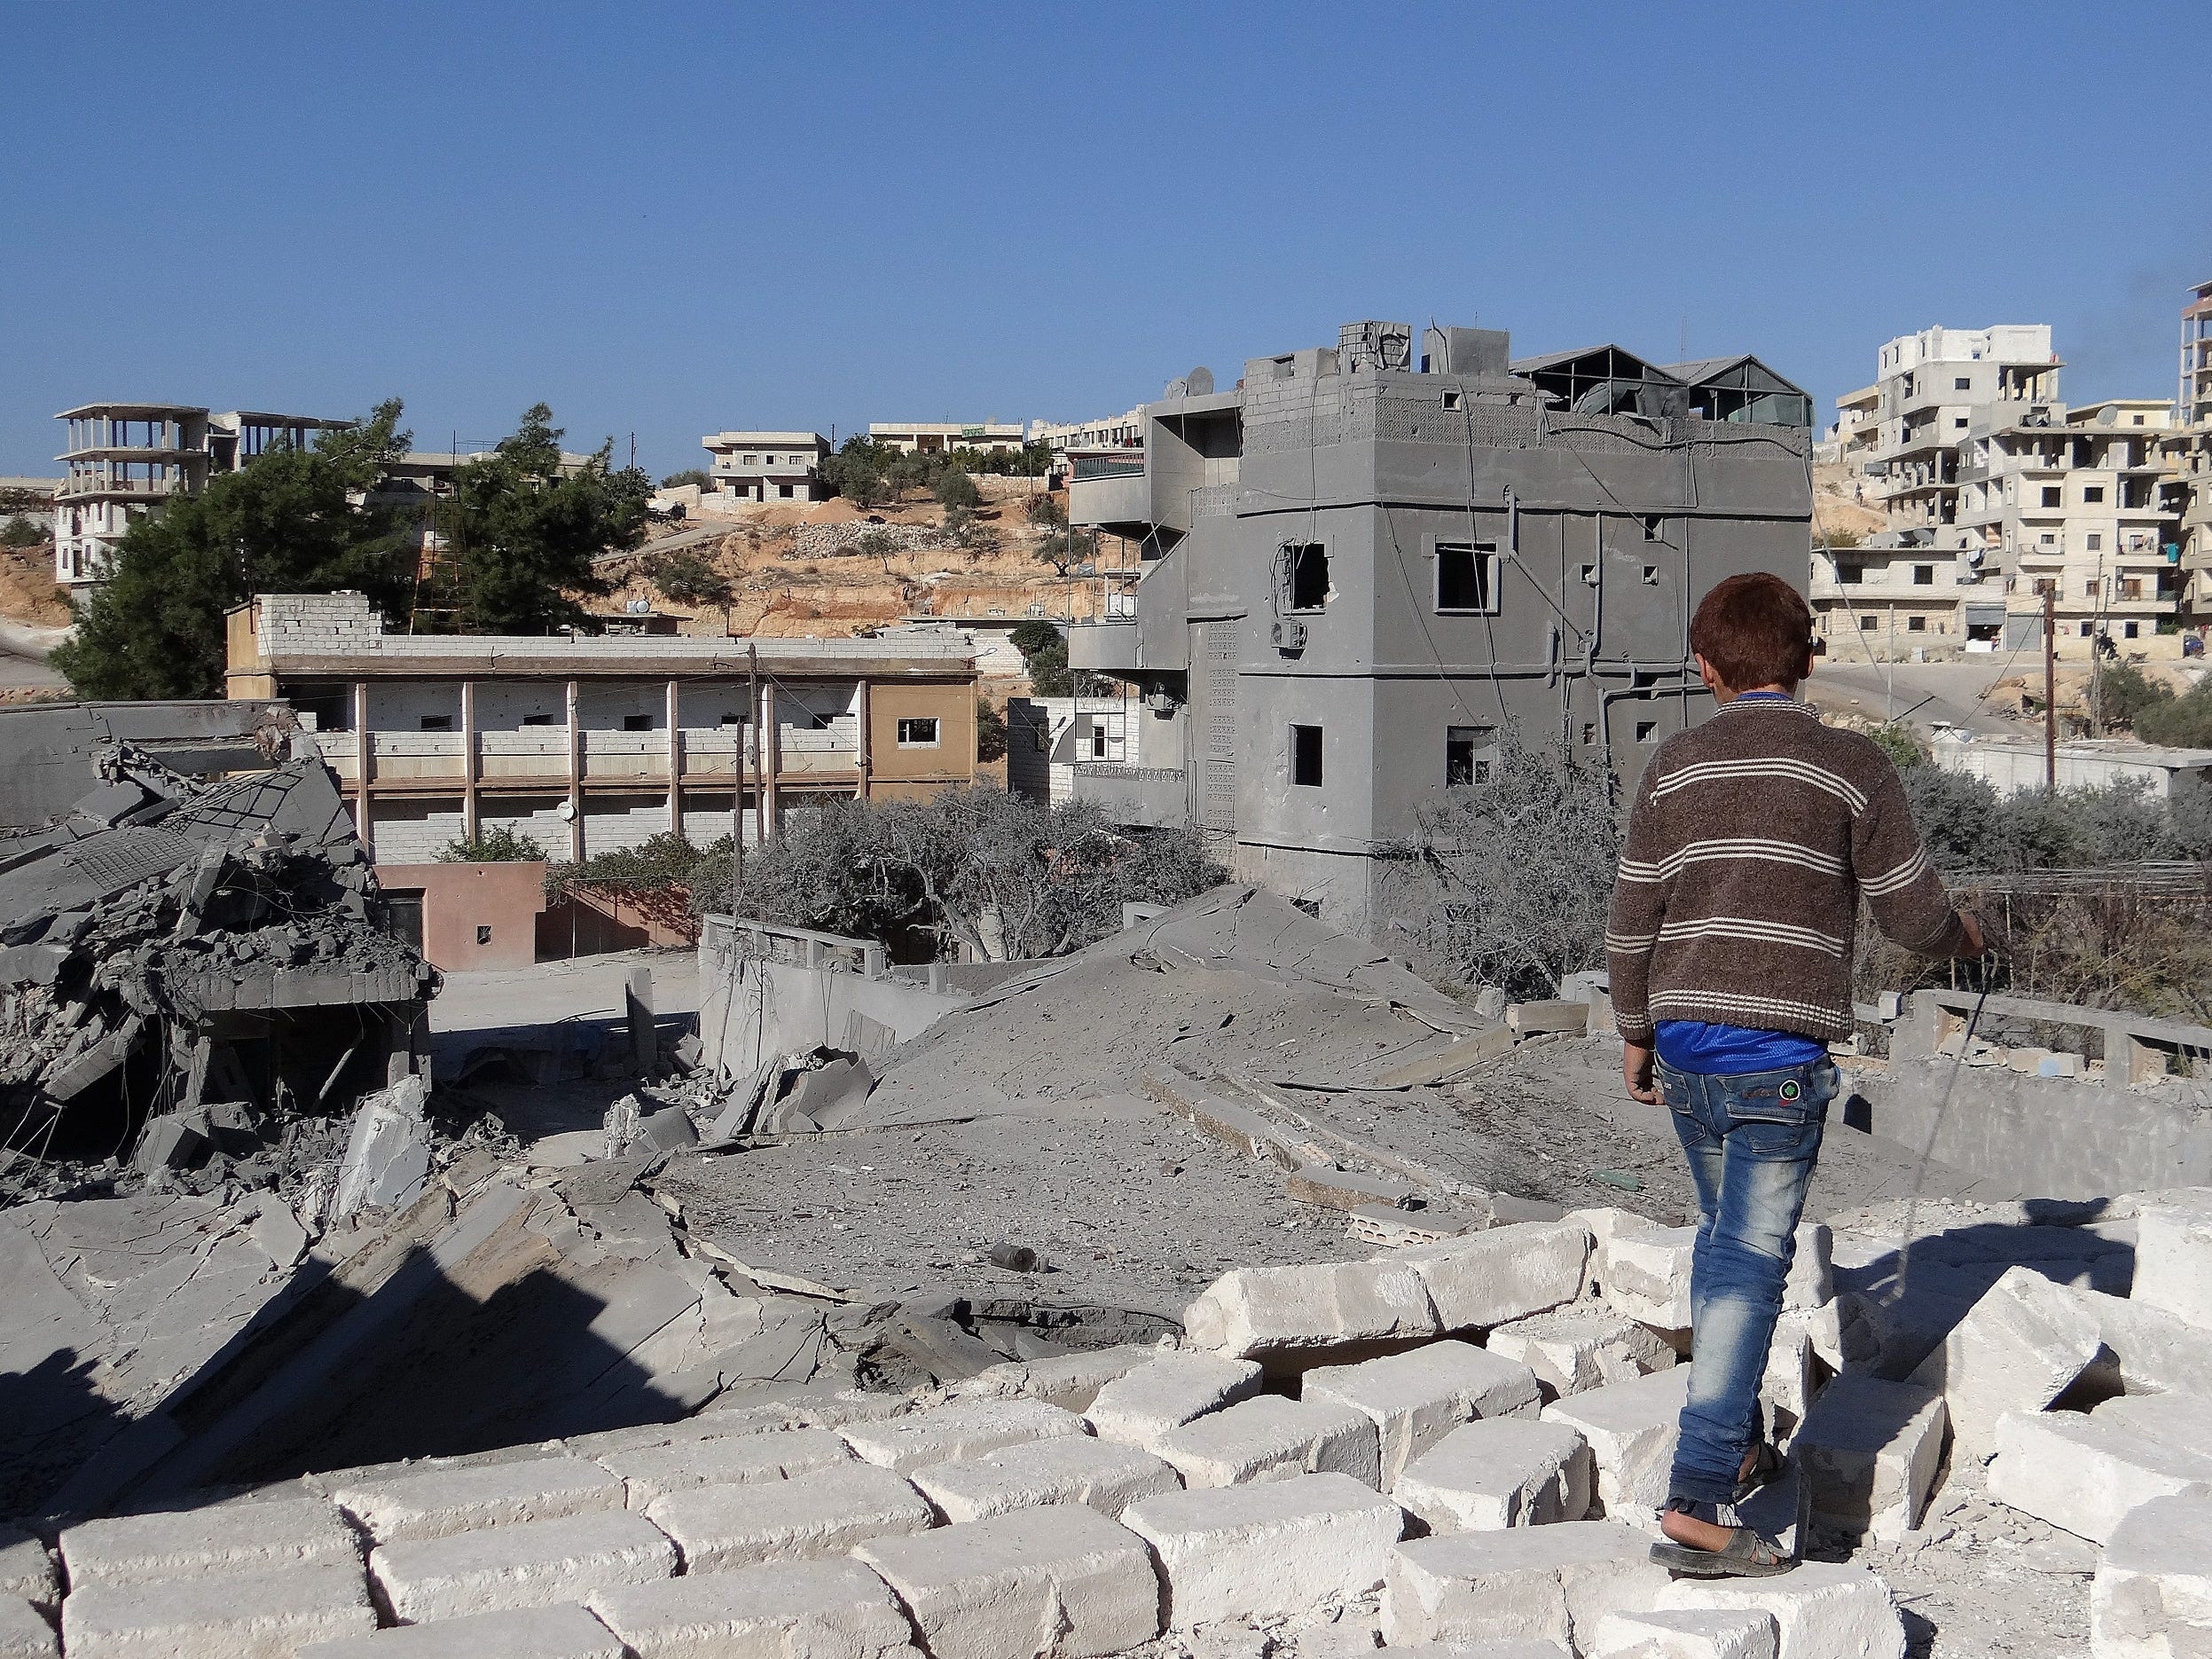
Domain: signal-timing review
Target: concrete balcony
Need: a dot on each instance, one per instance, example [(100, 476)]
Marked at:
[(1116, 499), (1150, 798), (1104, 648)]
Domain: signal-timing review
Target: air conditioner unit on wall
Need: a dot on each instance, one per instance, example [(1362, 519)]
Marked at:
[(1289, 634)]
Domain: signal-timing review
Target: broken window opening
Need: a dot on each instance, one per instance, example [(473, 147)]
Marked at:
[(1469, 751), (637, 722), (437, 722), (1466, 577), (1306, 756), (1646, 730), (1307, 575)]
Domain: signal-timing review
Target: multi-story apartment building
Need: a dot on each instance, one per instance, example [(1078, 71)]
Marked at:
[(1932, 387), (2196, 357), (126, 460), (1121, 431), (768, 465), (1359, 575), (939, 438), (591, 744), (2188, 483)]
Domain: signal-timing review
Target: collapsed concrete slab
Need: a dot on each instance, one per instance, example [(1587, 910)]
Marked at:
[(1247, 1552), (1066, 1469), (533, 1563), (1549, 1584), (1275, 1313), (1417, 1398), (1504, 1472), (826, 1512), (2151, 1598), (829, 1609)]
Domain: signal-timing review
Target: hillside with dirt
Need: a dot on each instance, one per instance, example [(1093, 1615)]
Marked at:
[(1844, 511)]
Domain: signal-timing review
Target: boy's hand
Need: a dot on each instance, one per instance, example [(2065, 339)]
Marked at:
[(1635, 1071), (1976, 942)]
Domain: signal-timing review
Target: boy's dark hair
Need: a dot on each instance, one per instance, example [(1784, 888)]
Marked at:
[(1756, 630)]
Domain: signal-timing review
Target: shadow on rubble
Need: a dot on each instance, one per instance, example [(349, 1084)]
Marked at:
[(548, 1078), (1919, 1292), (51, 1416)]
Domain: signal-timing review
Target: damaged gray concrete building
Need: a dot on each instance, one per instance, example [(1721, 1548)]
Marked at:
[(1360, 571)]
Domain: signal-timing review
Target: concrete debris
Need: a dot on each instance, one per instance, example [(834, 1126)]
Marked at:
[(2152, 1596), (387, 1155)]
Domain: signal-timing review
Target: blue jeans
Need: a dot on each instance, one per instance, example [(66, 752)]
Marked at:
[(1752, 1140)]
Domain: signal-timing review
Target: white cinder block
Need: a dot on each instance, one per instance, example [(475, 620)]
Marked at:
[(229, 1538), (1870, 1451), (1744, 1633), (826, 1609), (529, 1564), (215, 1615), (2183, 1421), (2019, 1348), (1061, 1580), (1271, 1438), (1262, 1551), (1071, 1382), (1417, 1398), (24, 1633), (1140, 1405), (1271, 1311), (1504, 1472), (1812, 1280), (1631, 1428), (2084, 1474), (1066, 1469), (1549, 1584), (561, 1632), (2173, 1254), (1575, 1348), (1487, 1278), (436, 1503), (709, 1425), (1642, 1270), (2153, 1595), (1821, 1610), (824, 1512), (651, 1471), (965, 1428), (26, 1570)]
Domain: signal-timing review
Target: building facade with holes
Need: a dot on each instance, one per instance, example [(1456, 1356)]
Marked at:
[(1358, 574), (592, 744)]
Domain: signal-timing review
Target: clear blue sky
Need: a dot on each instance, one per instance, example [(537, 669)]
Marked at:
[(669, 219)]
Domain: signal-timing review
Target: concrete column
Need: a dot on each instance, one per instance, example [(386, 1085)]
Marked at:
[(364, 768), (469, 822), (575, 780), (675, 764), (860, 760), (771, 760)]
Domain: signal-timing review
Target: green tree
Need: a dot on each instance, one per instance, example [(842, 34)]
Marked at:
[(955, 489), (291, 521), (990, 731), (500, 844), (2124, 692), (2182, 722), (20, 532), (1064, 549), (690, 474), (860, 471), (685, 578), (1046, 510), (1898, 743), (527, 529)]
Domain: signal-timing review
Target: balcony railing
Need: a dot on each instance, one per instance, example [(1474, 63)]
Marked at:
[(1088, 467), (92, 484)]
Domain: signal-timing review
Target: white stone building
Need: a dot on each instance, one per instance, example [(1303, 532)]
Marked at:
[(942, 437), (767, 466)]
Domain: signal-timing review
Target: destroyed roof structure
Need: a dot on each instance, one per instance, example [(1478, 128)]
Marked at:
[(1358, 576), (50, 753)]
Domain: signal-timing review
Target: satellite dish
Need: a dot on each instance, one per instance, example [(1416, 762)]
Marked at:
[(1201, 382)]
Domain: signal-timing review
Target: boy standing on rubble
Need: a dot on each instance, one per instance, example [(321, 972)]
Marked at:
[(1750, 839)]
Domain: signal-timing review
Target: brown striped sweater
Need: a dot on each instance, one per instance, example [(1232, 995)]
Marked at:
[(1750, 840)]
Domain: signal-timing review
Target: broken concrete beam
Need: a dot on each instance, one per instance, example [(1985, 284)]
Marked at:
[(168, 1143), (1870, 1451), (2173, 1255), (1821, 1610), (1502, 1472), (1630, 1427), (650, 1472), (1062, 1579), (1547, 1584), (823, 1513), (668, 1130), (386, 1159), (1642, 1268), (26, 1569), (1702, 1633), (559, 1632), (1066, 1469), (1417, 1398), (2021, 1346), (828, 1609), (1584, 1346), (531, 1564), (1505, 1273), (1238, 1128), (1531, 1020), (217, 1615), (1268, 1551), (963, 1428), (1331, 1188), (235, 1537), (1143, 1403), (2083, 1475), (1382, 1228), (637, 1002), (438, 1502), (1271, 1438), (1071, 1382), (2151, 1598), (24, 1632), (1462, 1056), (1276, 1312)]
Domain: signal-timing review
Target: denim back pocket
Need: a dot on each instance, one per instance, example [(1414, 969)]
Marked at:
[(1778, 1114)]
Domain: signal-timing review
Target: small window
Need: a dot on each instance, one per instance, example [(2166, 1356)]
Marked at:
[(1308, 575), (1652, 527), (784, 491), (2092, 493), (2096, 542), (2053, 495), (1963, 383), (1924, 575), (2138, 421), (2088, 589), (538, 720), (437, 722), (1589, 575), (1915, 625), (1851, 575), (1306, 756), (1468, 752), (483, 934), (637, 722), (1590, 733), (2132, 630), (2086, 630), (917, 731), (1867, 625), (1043, 737), (1466, 576), (1451, 401), (2048, 538), (1958, 423), (1646, 730), (1650, 576)]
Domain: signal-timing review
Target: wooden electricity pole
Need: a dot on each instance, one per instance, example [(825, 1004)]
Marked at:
[(2050, 687)]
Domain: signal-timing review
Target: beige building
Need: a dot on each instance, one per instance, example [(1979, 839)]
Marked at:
[(768, 465), (942, 437), (1121, 431), (587, 745), (2187, 486)]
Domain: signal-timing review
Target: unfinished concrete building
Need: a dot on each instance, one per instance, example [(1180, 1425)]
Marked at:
[(767, 466), (1357, 575), (587, 745)]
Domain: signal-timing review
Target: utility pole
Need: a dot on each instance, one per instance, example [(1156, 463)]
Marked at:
[(760, 746), (2051, 685)]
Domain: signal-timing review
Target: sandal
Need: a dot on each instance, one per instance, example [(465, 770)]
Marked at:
[(1766, 1464), (1745, 1555)]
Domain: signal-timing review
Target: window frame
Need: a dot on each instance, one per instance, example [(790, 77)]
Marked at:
[(936, 739), (1305, 743), (1488, 568)]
